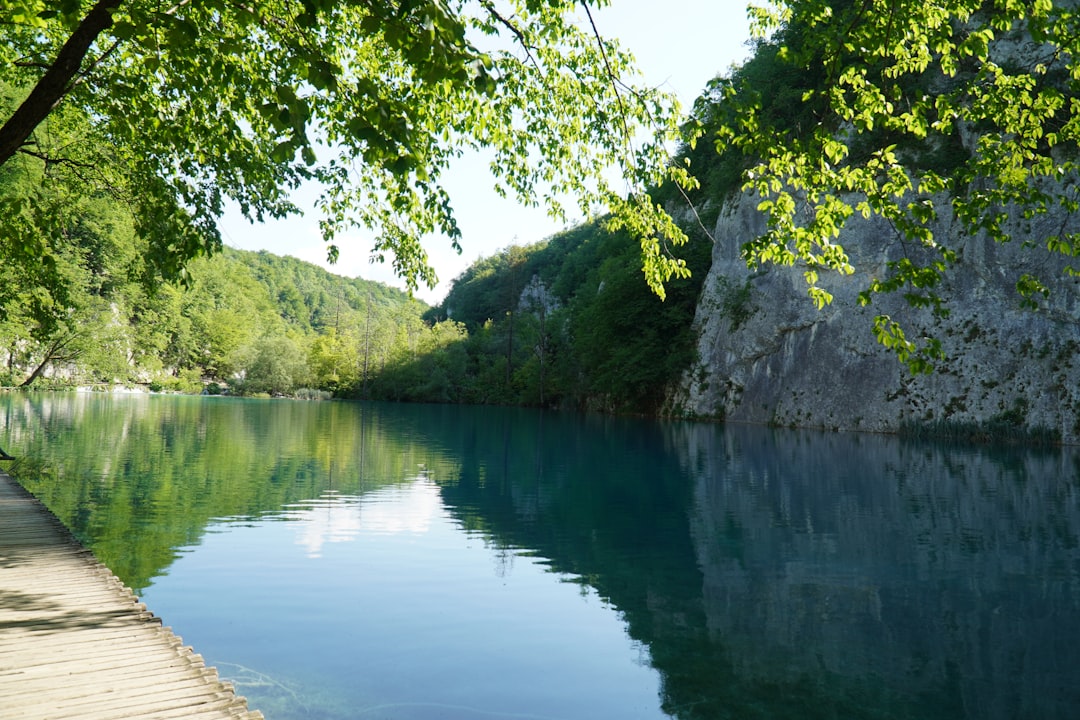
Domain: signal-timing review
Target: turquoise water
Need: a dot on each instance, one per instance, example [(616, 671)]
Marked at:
[(370, 561), (382, 606)]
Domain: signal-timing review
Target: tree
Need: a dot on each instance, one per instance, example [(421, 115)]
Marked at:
[(913, 109), (227, 311), (331, 360), (217, 99), (69, 252), (273, 364)]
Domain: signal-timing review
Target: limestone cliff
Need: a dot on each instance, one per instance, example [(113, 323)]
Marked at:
[(767, 355)]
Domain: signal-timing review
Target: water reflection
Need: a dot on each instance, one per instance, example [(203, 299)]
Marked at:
[(150, 473), (762, 573), (331, 518), (410, 507), (799, 574), (946, 576)]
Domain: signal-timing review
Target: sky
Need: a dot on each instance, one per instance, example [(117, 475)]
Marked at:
[(679, 44)]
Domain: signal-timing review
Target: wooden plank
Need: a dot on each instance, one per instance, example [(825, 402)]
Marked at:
[(118, 666), (76, 643), (150, 629), (82, 653)]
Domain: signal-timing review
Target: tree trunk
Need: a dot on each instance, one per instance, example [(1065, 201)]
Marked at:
[(510, 349), (37, 372), (367, 347), (53, 354), (56, 82)]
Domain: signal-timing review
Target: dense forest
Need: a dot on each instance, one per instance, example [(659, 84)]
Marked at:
[(565, 322), (88, 296), (86, 299)]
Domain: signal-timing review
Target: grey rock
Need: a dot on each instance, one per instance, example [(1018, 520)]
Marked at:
[(768, 355)]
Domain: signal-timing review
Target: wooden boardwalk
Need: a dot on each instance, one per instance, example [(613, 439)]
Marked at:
[(75, 644)]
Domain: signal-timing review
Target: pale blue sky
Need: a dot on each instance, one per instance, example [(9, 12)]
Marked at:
[(681, 44)]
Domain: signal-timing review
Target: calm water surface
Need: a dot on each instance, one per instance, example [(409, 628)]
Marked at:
[(371, 561)]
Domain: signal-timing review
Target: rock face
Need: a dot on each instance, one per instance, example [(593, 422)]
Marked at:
[(768, 355)]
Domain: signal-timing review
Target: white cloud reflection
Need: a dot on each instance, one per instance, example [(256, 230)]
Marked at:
[(334, 518)]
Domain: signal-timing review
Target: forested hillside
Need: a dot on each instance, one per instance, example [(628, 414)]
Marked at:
[(570, 322), (244, 322), (566, 322), (84, 301)]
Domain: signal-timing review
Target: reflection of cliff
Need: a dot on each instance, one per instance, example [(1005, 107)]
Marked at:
[(938, 571), (800, 575), (599, 497), (769, 574), (603, 500)]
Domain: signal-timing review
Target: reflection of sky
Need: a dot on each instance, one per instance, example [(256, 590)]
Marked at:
[(382, 604), (333, 518)]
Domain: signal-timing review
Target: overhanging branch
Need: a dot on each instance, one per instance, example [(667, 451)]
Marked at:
[(56, 81)]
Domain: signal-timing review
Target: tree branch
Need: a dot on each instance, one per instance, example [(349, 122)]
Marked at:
[(616, 83), (56, 81), (54, 354), (612, 79), (28, 64), (518, 34), (50, 160)]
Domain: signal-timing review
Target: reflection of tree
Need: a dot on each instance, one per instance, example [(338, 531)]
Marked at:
[(789, 575), (769, 574), (152, 472)]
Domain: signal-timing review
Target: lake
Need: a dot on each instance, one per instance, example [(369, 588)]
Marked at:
[(340, 560)]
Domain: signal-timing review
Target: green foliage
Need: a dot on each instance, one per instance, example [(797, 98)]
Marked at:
[(71, 262), (263, 324), (569, 322), (62, 240), (213, 100), (777, 90), (275, 365), (736, 302), (430, 367), (178, 110), (491, 287), (898, 110), (249, 322), (565, 322)]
